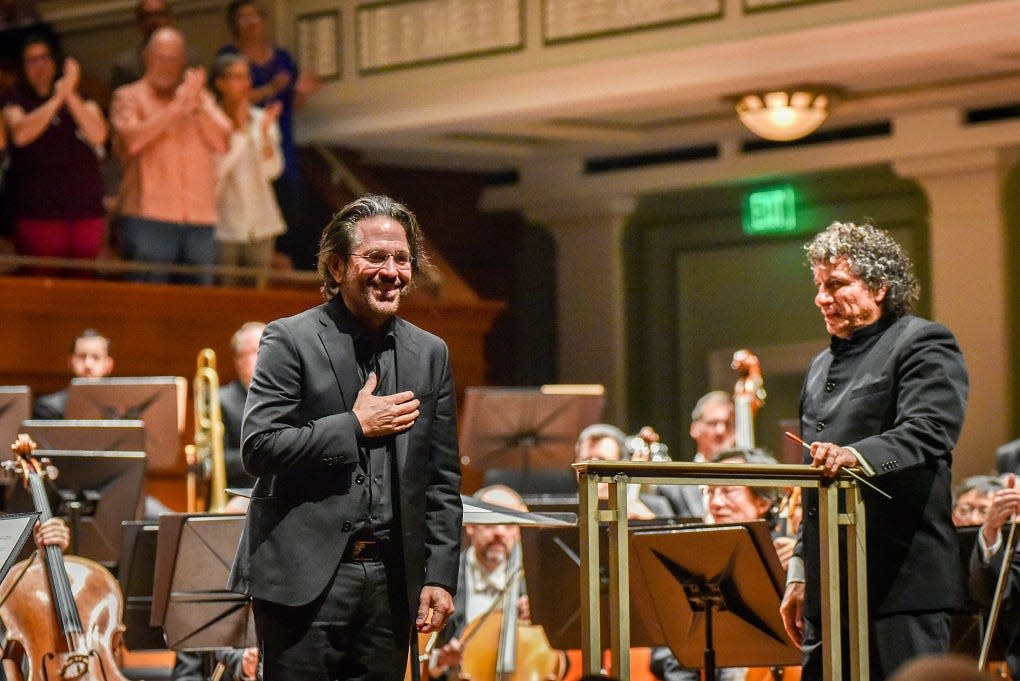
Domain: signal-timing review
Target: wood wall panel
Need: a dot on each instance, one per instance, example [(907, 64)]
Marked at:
[(159, 329)]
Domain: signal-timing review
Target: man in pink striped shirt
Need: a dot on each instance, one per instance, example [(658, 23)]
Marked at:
[(168, 130)]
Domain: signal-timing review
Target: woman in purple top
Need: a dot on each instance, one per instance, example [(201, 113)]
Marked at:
[(54, 187), (274, 73)]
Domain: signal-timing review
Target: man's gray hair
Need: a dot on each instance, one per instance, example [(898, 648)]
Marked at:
[(874, 256), (708, 398), (602, 431), (985, 484)]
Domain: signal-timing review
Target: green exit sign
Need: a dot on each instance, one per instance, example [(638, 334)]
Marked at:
[(770, 211)]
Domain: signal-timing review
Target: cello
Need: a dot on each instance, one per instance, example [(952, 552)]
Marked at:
[(500, 647), (43, 604)]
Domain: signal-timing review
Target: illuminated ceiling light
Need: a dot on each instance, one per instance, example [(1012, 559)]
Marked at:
[(782, 115)]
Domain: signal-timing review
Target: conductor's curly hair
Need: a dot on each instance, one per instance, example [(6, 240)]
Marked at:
[(874, 256)]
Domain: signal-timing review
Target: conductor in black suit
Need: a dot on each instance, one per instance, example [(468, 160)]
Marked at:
[(352, 538), (889, 396)]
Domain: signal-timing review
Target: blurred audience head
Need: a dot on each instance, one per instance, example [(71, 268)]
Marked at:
[(151, 15), (41, 62), (230, 78), (246, 19), (165, 58), (90, 355)]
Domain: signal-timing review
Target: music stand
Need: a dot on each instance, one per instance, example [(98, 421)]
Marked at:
[(15, 529), (121, 435), (15, 407), (526, 429), (481, 513), (96, 492), (552, 563), (714, 591), (158, 401), (194, 553), (134, 572)]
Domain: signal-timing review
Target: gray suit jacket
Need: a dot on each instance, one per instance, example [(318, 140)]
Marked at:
[(301, 439)]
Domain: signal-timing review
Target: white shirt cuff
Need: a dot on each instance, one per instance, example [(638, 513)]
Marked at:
[(795, 570), (988, 551), (862, 463)]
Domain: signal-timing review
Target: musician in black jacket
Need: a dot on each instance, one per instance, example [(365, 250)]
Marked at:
[(889, 396), (985, 565), (245, 344)]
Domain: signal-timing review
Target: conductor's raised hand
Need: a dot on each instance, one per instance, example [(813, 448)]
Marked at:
[(384, 415)]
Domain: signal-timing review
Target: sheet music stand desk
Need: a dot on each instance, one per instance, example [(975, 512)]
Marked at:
[(618, 474)]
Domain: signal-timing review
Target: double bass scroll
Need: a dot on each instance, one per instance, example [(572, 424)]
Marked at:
[(748, 395)]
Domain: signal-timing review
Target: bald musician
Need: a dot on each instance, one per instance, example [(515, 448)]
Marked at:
[(484, 576)]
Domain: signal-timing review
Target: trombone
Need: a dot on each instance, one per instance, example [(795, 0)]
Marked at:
[(205, 455)]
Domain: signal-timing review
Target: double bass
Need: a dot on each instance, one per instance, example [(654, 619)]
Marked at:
[(62, 615), (748, 397)]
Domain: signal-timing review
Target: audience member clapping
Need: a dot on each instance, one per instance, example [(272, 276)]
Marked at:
[(250, 218), (54, 135), (168, 131)]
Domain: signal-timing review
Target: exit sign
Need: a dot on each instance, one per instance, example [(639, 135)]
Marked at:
[(770, 211)]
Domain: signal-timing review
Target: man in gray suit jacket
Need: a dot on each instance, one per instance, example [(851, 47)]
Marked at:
[(353, 533), (889, 396)]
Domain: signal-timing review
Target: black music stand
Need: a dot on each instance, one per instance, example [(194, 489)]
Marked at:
[(193, 557), (714, 591), (552, 563), (121, 435), (95, 492), (526, 429), (134, 572), (158, 401), (15, 407)]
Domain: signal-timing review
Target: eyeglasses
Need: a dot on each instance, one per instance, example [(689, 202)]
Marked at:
[(402, 260), (730, 492), (964, 510)]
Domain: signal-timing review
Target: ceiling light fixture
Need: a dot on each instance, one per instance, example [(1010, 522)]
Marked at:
[(782, 115)]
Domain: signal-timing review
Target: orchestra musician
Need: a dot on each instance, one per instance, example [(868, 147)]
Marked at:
[(986, 562), (713, 430), (888, 396), (972, 499), (604, 442), (245, 345), (89, 358), (352, 537), (483, 578)]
